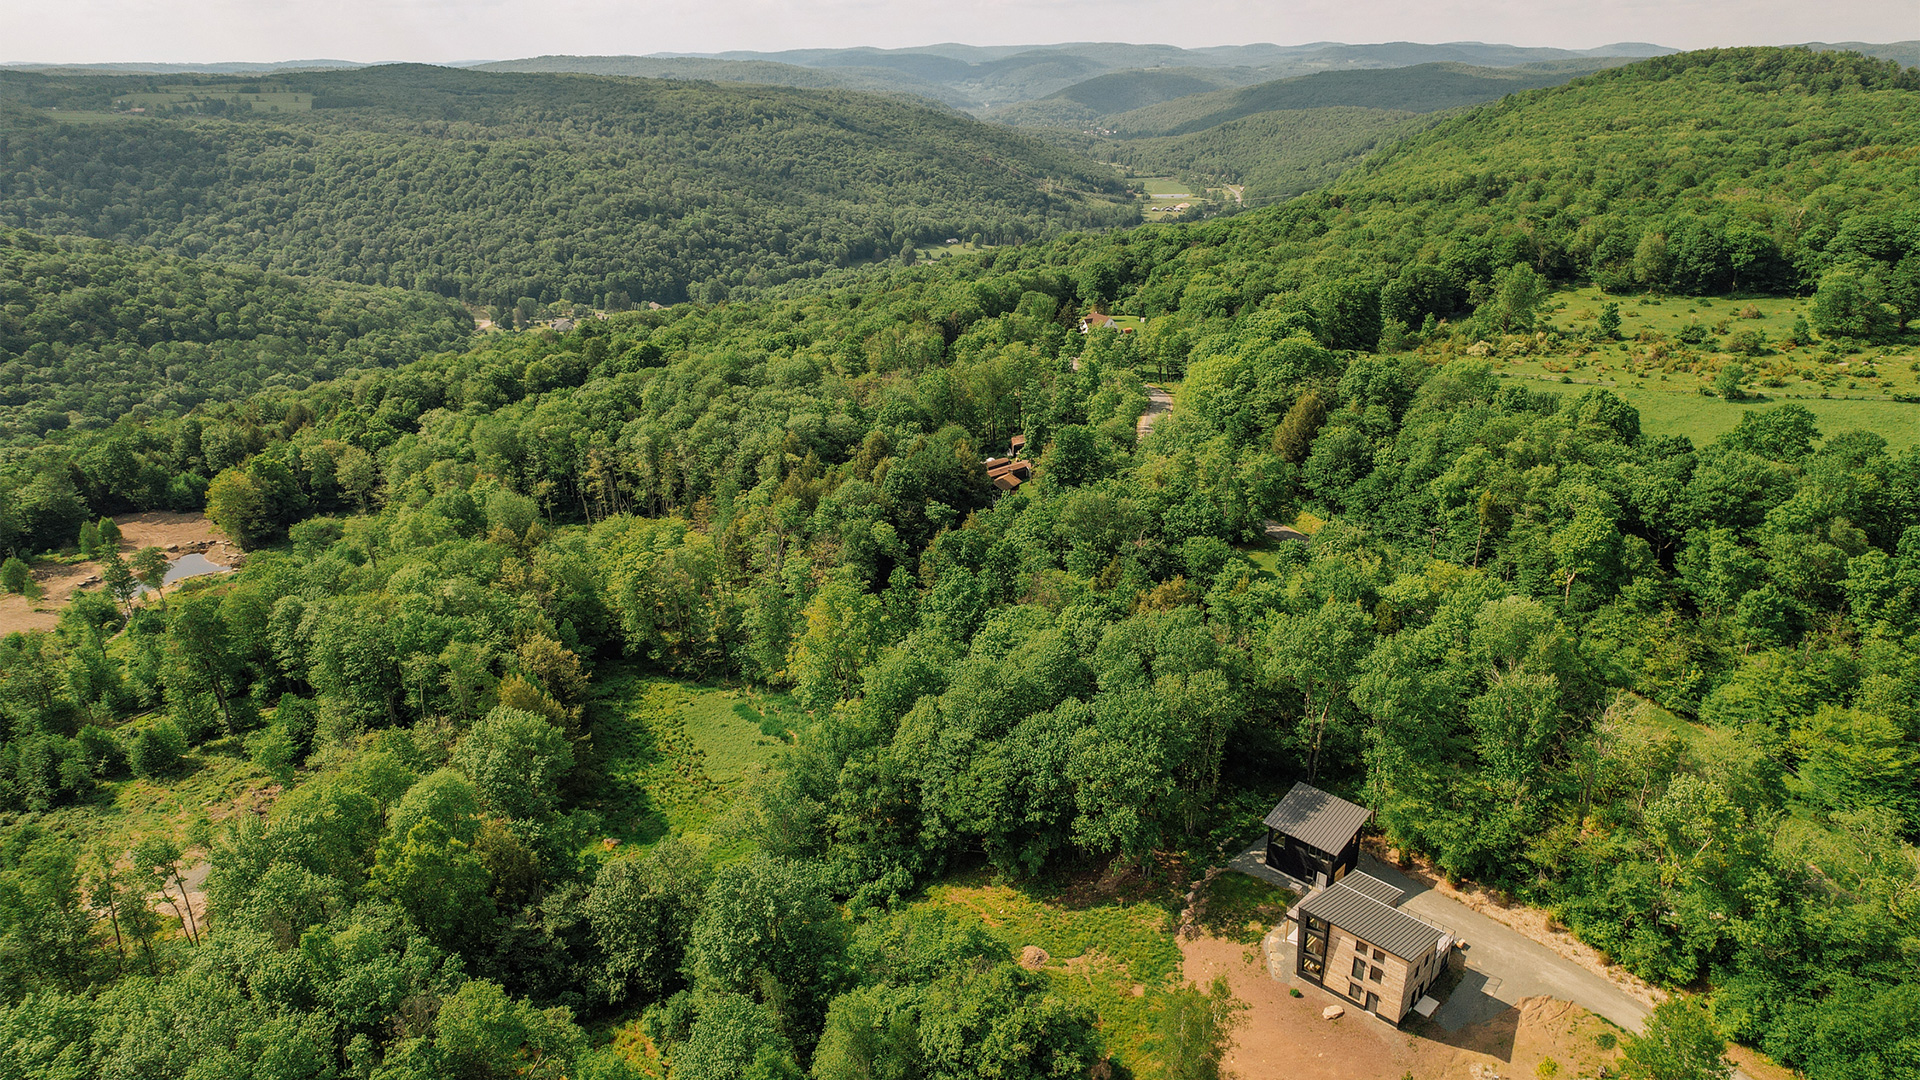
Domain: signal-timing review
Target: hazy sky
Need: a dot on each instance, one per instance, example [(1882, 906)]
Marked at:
[(81, 31)]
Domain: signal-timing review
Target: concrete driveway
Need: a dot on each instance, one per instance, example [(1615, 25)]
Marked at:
[(1504, 965)]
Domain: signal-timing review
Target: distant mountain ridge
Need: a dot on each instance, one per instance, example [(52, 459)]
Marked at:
[(981, 79), (498, 188), (237, 67), (1421, 88)]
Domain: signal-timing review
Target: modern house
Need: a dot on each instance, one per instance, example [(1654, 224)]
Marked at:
[(1355, 942), (1007, 473), (1010, 475), (1313, 836)]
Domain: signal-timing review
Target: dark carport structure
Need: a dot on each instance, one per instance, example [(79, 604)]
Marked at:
[(1314, 836)]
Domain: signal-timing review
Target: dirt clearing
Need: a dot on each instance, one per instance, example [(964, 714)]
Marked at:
[(1285, 1038), (176, 533)]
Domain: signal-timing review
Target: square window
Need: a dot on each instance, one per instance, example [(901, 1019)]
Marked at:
[(1379, 957), (1354, 991), (1376, 974), (1359, 968)]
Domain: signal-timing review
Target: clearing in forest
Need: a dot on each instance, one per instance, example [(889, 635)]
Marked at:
[(1671, 350), (673, 754), (60, 577)]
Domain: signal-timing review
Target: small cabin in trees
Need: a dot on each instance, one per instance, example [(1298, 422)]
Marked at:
[(1355, 942), (1007, 473), (1314, 836)]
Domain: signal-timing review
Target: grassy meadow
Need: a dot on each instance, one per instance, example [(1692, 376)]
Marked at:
[(1655, 369), (670, 753)]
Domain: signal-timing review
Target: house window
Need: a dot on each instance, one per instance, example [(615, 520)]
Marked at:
[(1354, 991), (1376, 974), (1359, 968), (1379, 957)]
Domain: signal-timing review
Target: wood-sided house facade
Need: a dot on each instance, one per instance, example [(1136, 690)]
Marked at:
[(1356, 943)]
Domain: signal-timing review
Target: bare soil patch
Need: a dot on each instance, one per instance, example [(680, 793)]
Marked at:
[(176, 533), (1285, 1038)]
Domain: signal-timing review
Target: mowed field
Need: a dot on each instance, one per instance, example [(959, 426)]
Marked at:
[(1655, 369), (1671, 383), (1703, 419), (671, 755)]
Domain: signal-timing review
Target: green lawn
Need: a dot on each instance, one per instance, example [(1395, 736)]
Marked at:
[(85, 116), (670, 754), (215, 782), (1665, 378), (1242, 907), (271, 101), (1115, 956), (1703, 419), (1166, 185), (934, 252)]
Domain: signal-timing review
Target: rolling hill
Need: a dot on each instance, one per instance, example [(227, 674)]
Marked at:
[(493, 187), (982, 79), (1657, 687), (764, 72), (1422, 88), (91, 331), (1271, 155)]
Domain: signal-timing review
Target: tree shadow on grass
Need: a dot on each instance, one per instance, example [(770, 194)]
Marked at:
[(624, 748)]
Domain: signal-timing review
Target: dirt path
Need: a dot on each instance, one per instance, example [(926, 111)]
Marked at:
[(176, 533), (1159, 404)]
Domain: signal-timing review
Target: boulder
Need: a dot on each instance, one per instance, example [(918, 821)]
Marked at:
[(1332, 1012), (1032, 957)]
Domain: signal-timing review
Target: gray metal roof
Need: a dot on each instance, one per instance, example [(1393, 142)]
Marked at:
[(1372, 921), (1323, 821), (1374, 887)]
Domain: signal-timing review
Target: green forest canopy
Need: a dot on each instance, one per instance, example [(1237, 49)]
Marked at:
[(1665, 690), (91, 331), (493, 187)]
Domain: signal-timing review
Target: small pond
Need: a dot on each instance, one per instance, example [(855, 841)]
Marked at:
[(192, 564)]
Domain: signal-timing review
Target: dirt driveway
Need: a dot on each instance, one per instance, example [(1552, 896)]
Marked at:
[(1159, 404)]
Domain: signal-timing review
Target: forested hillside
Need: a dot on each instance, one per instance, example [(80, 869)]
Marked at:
[(91, 331), (1420, 89), (1667, 691), (494, 187), (1273, 155), (763, 72), (1276, 139)]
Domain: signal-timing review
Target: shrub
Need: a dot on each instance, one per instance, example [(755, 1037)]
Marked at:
[(1746, 343), (105, 757), (15, 576), (157, 751)]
